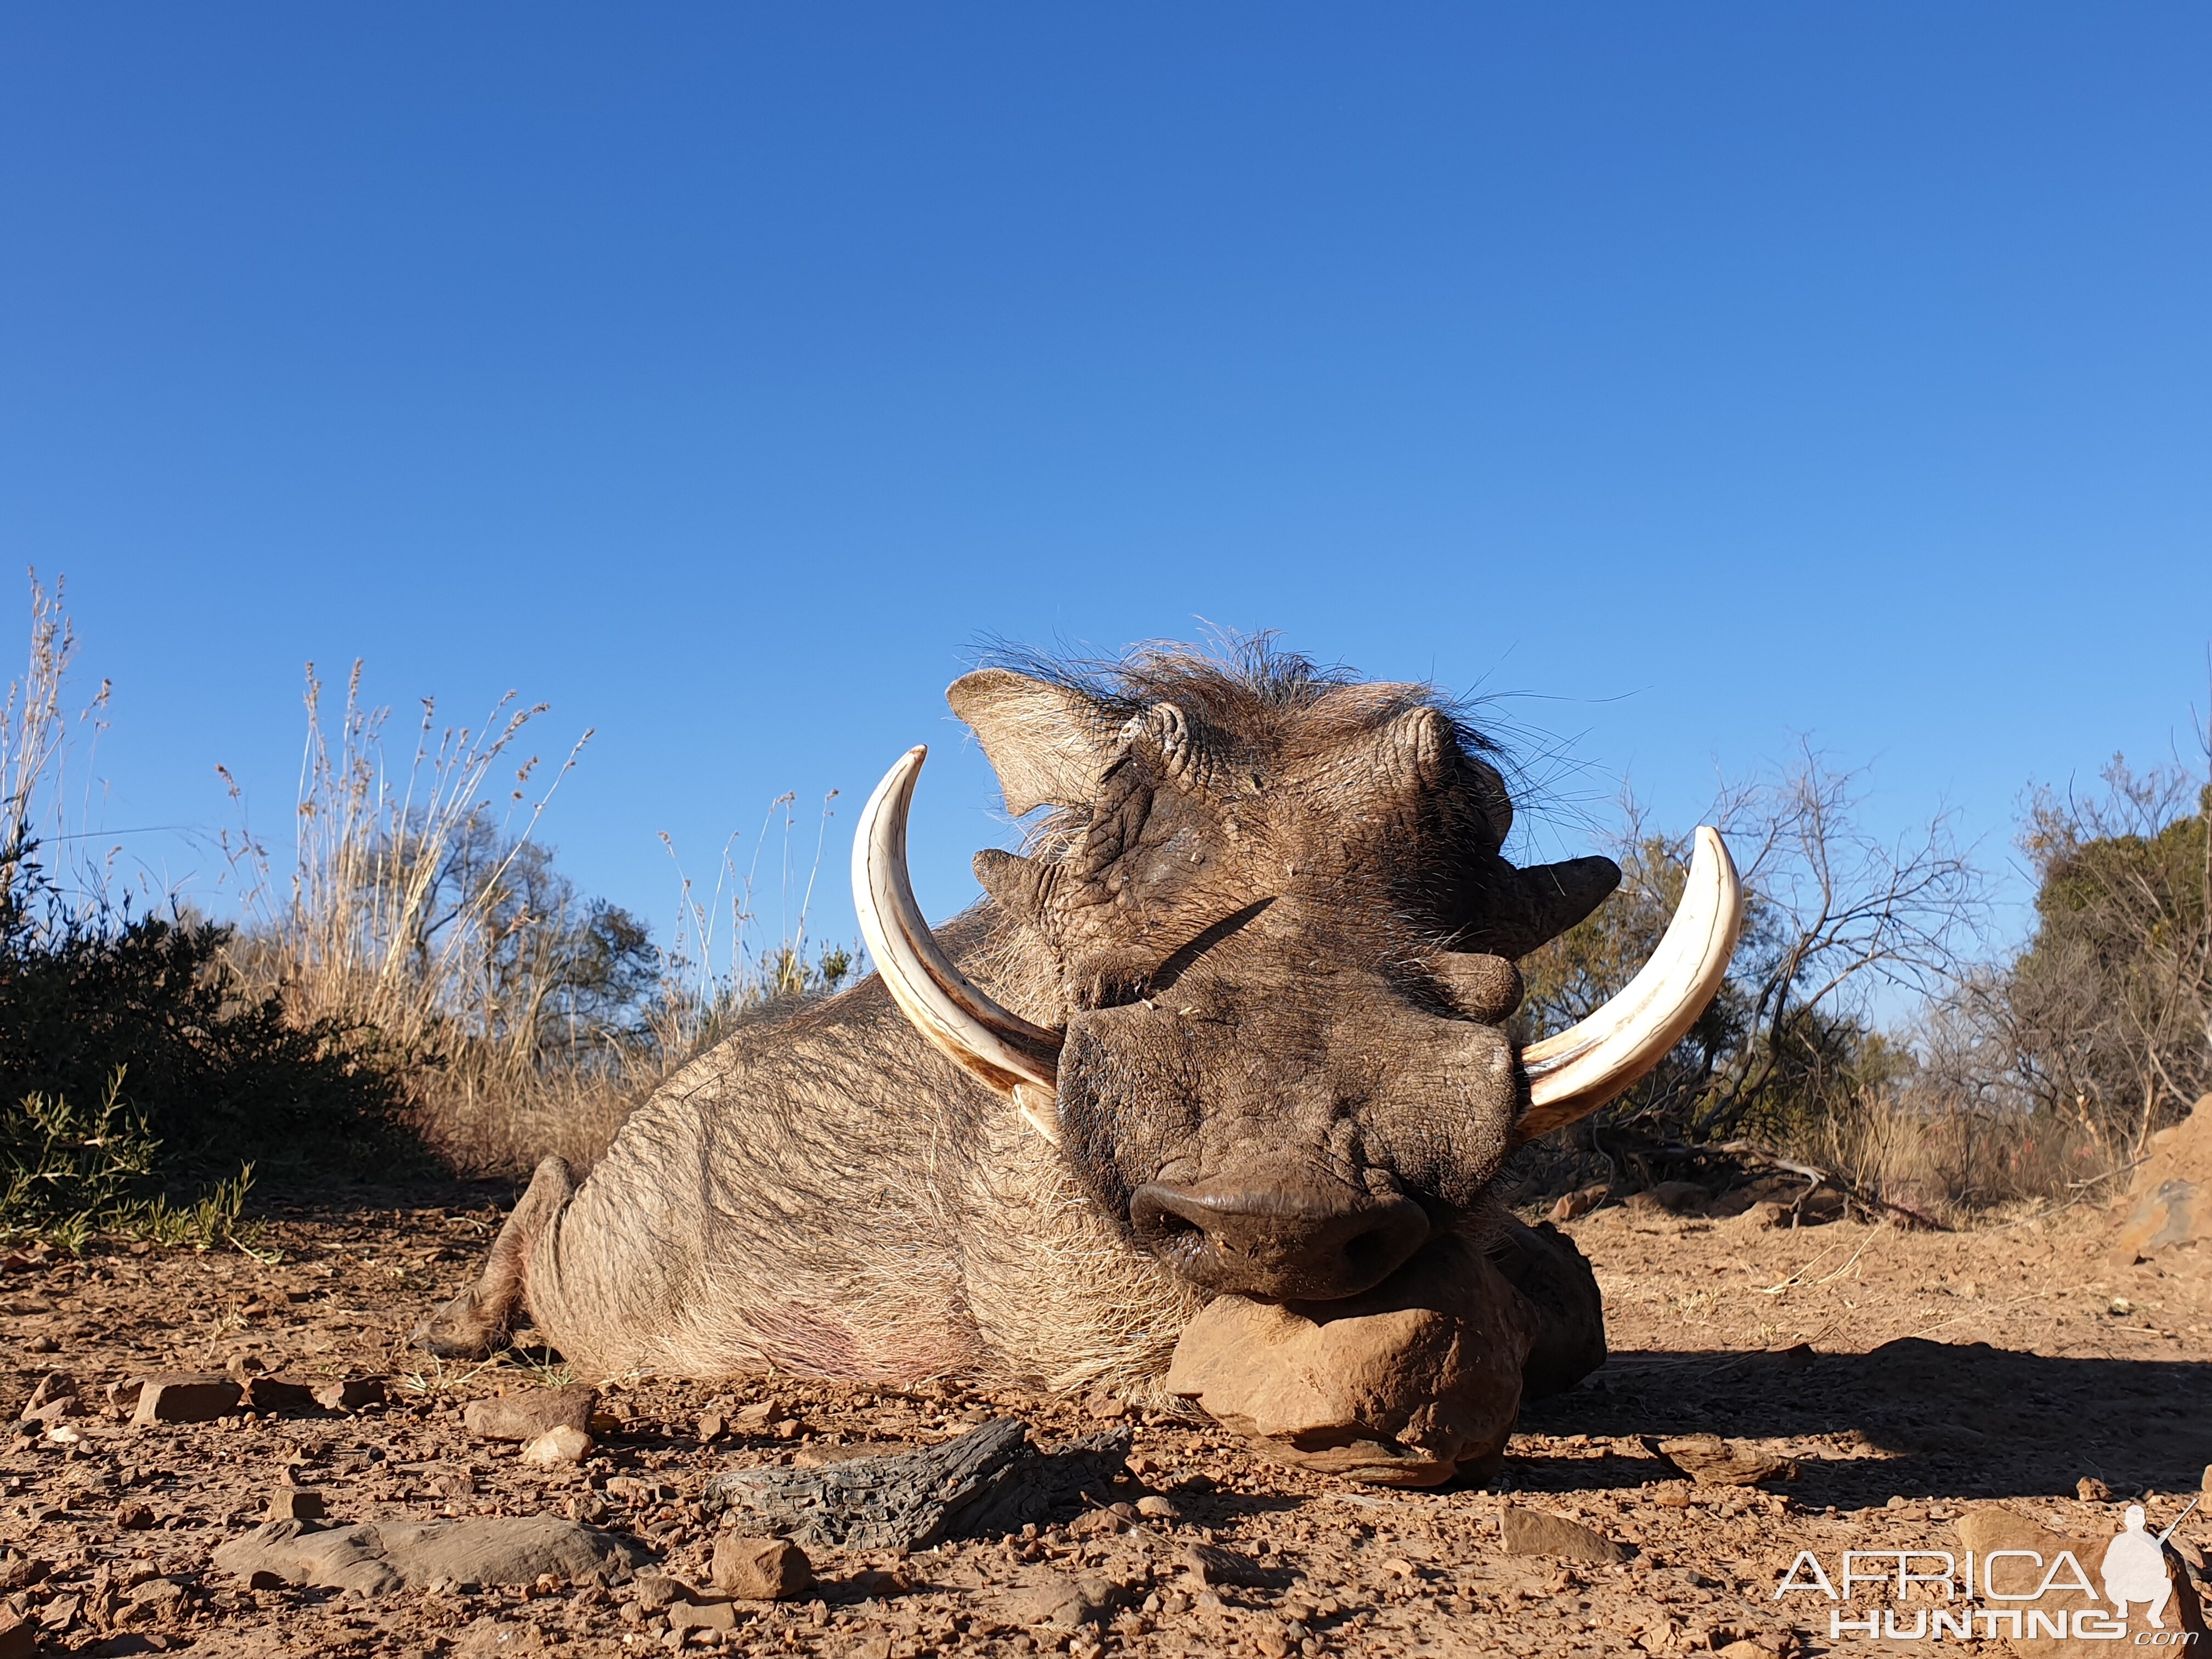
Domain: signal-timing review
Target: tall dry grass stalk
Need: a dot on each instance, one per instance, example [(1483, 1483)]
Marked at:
[(35, 738), (357, 926), (417, 906)]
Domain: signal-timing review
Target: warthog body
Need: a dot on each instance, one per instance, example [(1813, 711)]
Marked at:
[(1261, 952)]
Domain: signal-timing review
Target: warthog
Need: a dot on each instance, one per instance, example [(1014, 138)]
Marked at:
[(1235, 1027)]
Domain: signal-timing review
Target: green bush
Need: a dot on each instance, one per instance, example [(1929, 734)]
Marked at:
[(212, 1071), (68, 1172)]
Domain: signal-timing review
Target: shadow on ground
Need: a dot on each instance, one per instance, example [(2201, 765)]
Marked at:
[(1966, 1420)]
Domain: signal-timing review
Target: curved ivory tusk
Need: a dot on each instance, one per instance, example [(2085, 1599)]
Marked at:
[(1004, 1051), (1596, 1059)]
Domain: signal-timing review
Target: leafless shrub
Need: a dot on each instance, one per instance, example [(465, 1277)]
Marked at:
[(2101, 1030), (1835, 915)]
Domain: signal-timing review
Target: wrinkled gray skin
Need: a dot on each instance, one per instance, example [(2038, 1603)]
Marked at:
[(1269, 913)]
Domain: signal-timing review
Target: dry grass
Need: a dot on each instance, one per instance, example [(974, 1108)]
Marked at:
[(1955, 1164), (525, 1019)]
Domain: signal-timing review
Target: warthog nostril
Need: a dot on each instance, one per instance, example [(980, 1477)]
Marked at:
[(1290, 1242)]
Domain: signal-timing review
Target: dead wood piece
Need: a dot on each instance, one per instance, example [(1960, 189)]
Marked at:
[(989, 1479), (875, 1503)]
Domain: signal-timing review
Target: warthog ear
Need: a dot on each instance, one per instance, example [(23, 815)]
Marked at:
[(1016, 884), (1048, 743)]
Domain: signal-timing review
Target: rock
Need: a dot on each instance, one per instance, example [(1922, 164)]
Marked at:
[(54, 1399), (1578, 1204), (264, 1393), (377, 1559), (350, 1394), (1668, 1198), (1153, 1507), (42, 1345), (557, 1449), (687, 1615), (1211, 1565), (19, 1638), (21, 1571), (2090, 1490), (1092, 1523), (876, 1503), (1990, 1527), (712, 1425), (532, 1411), (134, 1518), (184, 1397), (1539, 1532), (1396, 1387), (2168, 1204), (1765, 1213), (295, 1504), (655, 1590), (1713, 1462), (760, 1569), (1057, 1602)]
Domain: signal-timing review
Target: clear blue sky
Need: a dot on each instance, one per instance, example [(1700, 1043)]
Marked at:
[(722, 374)]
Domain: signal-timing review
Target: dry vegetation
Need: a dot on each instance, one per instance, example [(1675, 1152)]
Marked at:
[(409, 968)]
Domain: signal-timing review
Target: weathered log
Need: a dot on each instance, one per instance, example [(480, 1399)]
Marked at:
[(988, 1479)]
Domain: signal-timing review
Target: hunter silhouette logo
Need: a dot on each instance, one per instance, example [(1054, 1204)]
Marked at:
[(2010, 1584), (2134, 1566)]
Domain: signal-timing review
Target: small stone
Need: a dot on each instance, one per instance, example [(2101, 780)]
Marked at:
[(1713, 1462), (54, 1399), (655, 1590), (1092, 1522), (134, 1518), (296, 1503), (42, 1345), (2204, 1485), (685, 1615), (712, 1425), (262, 1579), (1539, 1532), (529, 1413), (2090, 1490), (349, 1394), (1576, 1205), (184, 1397), (1209, 1564), (1106, 1407), (760, 1569), (1154, 1507), (18, 1636), (557, 1448), (1056, 1600)]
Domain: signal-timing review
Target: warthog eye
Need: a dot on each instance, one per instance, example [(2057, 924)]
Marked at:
[(1180, 961)]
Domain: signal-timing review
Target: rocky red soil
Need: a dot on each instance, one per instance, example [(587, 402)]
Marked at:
[(1882, 1382)]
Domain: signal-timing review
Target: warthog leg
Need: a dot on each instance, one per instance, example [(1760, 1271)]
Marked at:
[(480, 1321)]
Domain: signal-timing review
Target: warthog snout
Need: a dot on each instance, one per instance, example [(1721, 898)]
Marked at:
[(1285, 1242)]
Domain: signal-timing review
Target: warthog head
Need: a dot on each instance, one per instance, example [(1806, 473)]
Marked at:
[(1268, 941)]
